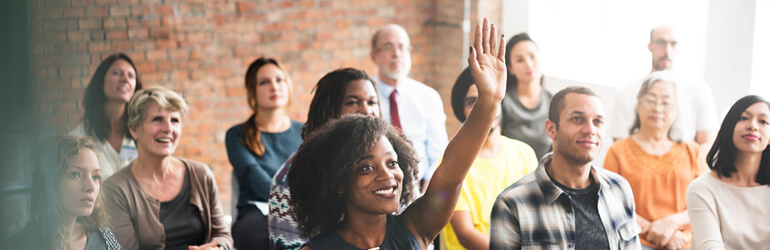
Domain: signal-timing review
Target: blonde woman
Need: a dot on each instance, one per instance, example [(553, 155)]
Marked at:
[(160, 201)]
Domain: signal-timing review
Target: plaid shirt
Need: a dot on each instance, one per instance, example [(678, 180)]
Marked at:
[(534, 213)]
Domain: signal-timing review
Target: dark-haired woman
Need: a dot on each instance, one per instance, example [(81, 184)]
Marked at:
[(112, 86), (353, 173), (258, 147), (67, 212), (340, 92), (525, 107), (728, 208)]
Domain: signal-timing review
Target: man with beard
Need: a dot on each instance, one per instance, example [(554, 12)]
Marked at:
[(410, 106), (567, 203), (697, 120)]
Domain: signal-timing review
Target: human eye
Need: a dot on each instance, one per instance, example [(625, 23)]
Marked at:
[(576, 119), (372, 103), (96, 177), (352, 102), (764, 122), (598, 122), (157, 119), (393, 163), (175, 120), (365, 169), (744, 118), (74, 175)]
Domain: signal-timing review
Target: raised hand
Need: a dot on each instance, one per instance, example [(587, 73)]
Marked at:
[(487, 62)]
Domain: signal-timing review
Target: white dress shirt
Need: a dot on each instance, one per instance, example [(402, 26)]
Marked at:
[(422, 120)]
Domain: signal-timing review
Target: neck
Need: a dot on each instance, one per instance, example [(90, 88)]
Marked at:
[(363, 230), (272, 120), (389, 81), (652, 135), (492, 145), (570, 174), (529, 89), (72, 230), (747, 165), (114, 111), (155, 167)]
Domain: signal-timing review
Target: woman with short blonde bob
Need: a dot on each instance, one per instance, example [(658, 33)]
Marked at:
[(159, 200)]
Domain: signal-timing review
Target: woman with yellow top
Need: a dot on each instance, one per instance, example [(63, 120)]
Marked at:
[(658, 166)]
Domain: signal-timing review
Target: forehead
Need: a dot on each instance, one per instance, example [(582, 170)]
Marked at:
[(153, 109), (85, 159), (358, 86), (393, 36), (120, 63), (665, 33), (269, 70), (661, 87), (759, 108), (579, 103), (524, 47)]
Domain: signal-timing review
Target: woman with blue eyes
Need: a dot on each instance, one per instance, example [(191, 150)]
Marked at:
[(111, 87), (658, 166), (340, 92), (257, 148), (160, 201), (525, 107), (728, 207), (67, 210)]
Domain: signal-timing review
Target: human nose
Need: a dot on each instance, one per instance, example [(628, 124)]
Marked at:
[(89, 184), (385, 173)]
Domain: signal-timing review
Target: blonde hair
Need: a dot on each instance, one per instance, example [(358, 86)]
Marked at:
[(165, 98)]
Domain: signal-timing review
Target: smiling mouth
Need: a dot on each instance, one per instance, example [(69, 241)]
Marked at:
[(163, 140)]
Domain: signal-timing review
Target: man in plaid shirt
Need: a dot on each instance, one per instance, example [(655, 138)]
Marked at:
[(566, 203)]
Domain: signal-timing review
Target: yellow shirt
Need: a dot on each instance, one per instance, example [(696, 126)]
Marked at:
[(485, 180)]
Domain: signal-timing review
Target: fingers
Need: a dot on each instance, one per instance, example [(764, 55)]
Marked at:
[(485, 37), (493, 40), (477, 38), (473, 61), (501, 49)]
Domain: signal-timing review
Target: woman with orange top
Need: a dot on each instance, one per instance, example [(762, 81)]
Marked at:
[(658, 166)]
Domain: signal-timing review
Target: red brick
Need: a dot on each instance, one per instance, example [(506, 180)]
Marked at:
[(81, 2), (118, 22), (136, 33), (245, 7), (155, 55), (75, 36), (307, 4), (287, 4), (119, 11), (97, 35), (58, 37), (74, 12), (153, 22), (105, 2), (117, 35), (97, 12), (51, 13), (160, 33), (121, 46), (98, 46), (141, 10), (85, 24), (144, 67), (137, 57), (166, 44), (165, 66), (164, 9), (179, 54)]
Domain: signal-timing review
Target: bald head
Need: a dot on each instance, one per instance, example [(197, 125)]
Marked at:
[(662, 46), (390, 52), (390, 28)]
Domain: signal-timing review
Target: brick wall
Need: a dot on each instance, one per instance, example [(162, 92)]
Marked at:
[(201, 48)]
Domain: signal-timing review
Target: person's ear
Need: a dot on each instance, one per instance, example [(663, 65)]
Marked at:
[(551, 129)]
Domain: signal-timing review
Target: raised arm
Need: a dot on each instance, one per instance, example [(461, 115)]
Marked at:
[(430, 213)]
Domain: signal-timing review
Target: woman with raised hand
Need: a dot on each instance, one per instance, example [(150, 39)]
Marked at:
[(258, 147), (340, 92), (657, 165), (352, 174), (112, 86), (160, 201), (728, 207), (67, 210), (525, 107)]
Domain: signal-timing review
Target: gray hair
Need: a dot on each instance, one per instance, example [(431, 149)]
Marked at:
[(165, 98), (391, 26), (652, 78)]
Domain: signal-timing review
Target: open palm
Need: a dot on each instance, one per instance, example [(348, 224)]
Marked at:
[(487, 61)]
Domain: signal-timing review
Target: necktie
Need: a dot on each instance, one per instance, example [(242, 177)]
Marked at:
[(394, 119)]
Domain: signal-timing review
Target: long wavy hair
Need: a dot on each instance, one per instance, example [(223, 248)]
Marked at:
[(46, 215), (328, 96), (324, 162), (722, 156), (95, 121), (251, 135)]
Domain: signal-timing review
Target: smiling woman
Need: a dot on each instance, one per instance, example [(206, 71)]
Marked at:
[(161, 201)]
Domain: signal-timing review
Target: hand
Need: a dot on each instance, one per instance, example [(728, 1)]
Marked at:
[(487, 62), (214, 245), (661, 231), (677, 241)]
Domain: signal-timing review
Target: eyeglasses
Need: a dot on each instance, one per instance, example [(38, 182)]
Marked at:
[(392, 49), (470, 101), (653, 103)]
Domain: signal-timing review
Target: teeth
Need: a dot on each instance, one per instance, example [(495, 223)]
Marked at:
[(384, 191), (165, 140)]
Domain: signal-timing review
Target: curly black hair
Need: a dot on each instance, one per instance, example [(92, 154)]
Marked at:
[(324, 162)]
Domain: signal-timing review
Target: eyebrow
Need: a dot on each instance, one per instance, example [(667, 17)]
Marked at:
[(82, 168), (369, 157), (576, 112)]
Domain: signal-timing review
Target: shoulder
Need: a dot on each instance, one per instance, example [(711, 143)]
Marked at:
[(421, 88), (296, 124), (198, 168), (522, 190), (612, 178), (621, 145), (235, 130), (109, 238), (119, 180), (689, 146), (702, 183)]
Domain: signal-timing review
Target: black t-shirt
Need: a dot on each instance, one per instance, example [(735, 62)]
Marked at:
[(182, 220), (589, 230)]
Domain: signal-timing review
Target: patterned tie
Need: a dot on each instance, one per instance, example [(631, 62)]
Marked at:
[(394, 118)]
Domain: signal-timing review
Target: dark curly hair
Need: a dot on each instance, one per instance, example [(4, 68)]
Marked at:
[(722, 156), (95, 121), (325, 161), (328, 97)]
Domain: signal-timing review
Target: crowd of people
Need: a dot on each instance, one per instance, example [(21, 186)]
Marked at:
[(372, 166)]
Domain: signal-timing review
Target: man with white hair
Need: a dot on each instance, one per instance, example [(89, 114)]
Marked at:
[(411, 106), (697, 120)]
